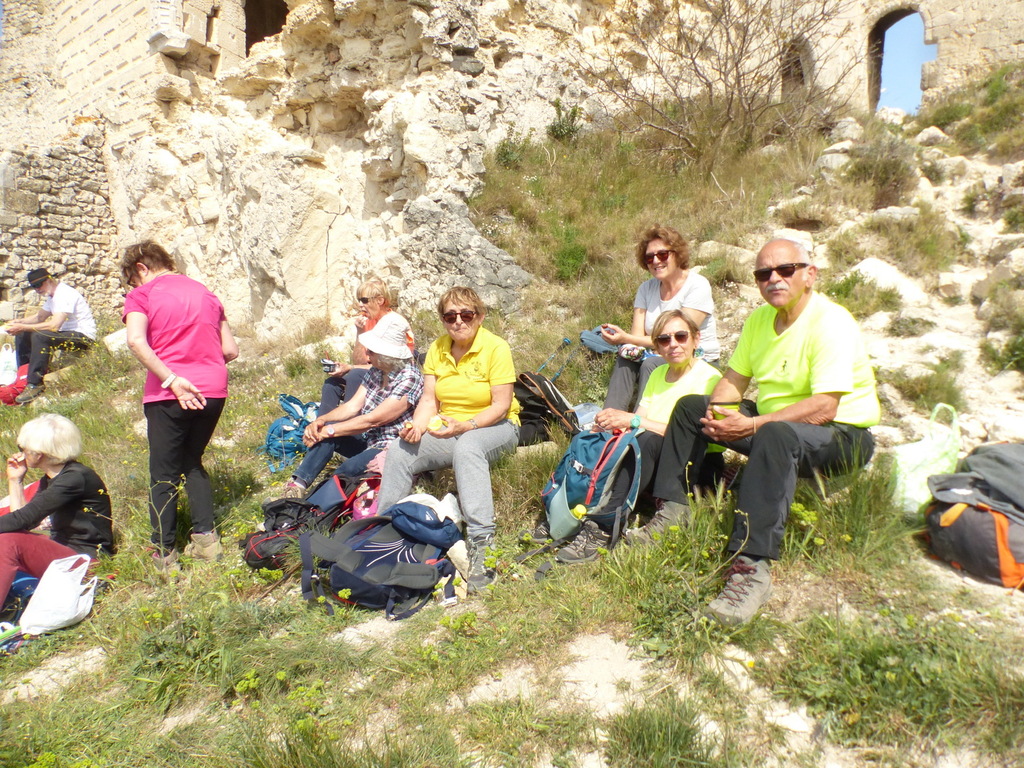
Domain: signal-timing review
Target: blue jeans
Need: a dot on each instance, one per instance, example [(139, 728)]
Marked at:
[(317, 457)]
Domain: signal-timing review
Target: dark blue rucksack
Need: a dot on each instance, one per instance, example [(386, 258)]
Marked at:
[(284, 436), (585, 477), (371, 564)]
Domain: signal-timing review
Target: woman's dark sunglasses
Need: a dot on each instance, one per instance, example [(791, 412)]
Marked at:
[(659, 255), (783, 270), (467, 316), (365, 299), (681, 337)]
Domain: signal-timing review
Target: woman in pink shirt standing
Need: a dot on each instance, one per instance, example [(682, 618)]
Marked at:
[(178, 331)]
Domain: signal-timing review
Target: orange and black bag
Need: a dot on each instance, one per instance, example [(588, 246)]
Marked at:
[(976, 519)]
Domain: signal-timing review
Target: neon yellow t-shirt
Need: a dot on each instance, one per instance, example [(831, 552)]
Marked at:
[(464, 389), (660, 396), (823, 351)]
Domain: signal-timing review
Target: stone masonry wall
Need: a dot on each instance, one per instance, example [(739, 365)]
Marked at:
[(55, 213)]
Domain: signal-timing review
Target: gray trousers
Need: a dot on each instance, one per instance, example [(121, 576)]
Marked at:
[(470, 455), (627, 378)]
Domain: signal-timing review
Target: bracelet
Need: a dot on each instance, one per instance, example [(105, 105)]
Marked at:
[(475, 425), (168, 381), (754, 419)]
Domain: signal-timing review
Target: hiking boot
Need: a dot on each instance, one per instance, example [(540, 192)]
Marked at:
[(479, 576), (669, 513), (748, 585), (541, 533), (30, 393), (166, 563), (205, 546), (587, 545)]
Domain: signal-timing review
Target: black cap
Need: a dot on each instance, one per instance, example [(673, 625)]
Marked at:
[(38, 276)]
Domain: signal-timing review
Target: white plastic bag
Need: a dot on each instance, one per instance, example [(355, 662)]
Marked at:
[(8, 365), (61, 599), (914, 463)]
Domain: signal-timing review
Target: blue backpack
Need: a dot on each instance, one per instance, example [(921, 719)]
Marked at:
[(585, 477), (370, 563), (284, 436)]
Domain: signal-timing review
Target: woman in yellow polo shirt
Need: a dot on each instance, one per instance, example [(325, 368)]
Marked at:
[(466, 419), (675, 336)]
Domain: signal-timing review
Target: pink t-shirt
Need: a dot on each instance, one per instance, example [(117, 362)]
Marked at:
[(184, 331)]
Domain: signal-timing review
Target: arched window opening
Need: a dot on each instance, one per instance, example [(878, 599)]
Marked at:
[(896, 53), (793, 74), (263, 18)]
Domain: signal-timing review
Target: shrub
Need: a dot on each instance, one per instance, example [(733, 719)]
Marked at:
[(924, 245), (571, 255), (844, 250), (862, 296), (904, 326), (944, 115), (511, 150), (1013, 218), (566, 125), (938, 386), (886, 163), (721, 270)]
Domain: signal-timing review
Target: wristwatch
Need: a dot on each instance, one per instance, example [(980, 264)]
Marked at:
[(634, 423)]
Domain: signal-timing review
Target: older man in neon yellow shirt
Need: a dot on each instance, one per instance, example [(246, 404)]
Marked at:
[(816, 399)]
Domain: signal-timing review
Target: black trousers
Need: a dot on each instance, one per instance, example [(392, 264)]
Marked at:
[(177, 441), (780, 452), (35, 346)]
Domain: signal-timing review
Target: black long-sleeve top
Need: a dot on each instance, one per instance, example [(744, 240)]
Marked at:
[(79, 508)]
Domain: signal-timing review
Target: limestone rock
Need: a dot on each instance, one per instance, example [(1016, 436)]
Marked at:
[(885, 275), (847, 129), (829, 164), (891, 115), (931, 136)]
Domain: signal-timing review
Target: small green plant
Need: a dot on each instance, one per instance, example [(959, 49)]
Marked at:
[(975, 200), (944, 115), (845, 250), (862, 296), (905, 326), (570, 256), (938, 386), (722, 270), (664, 731), (1013, 218), (566, 126), (511, 150), (933, 172)]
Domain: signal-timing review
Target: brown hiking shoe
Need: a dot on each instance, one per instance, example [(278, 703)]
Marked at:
[(205, 546)]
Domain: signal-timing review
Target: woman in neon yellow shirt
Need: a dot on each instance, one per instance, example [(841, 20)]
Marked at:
[(466, 419), (675, 337)]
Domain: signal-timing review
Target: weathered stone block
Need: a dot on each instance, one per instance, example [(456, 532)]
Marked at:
[(20, 201)]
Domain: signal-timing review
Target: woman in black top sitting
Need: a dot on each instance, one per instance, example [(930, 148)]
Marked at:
[(70, 494)]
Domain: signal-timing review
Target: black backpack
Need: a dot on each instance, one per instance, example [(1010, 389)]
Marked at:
[(283, 521), (369, 563), (542, 404)]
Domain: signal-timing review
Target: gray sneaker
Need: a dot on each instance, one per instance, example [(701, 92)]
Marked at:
[(587, 545), (669, 513), (748, 585), (480, 576)]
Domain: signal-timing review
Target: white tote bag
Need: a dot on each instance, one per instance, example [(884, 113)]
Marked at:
[(61, 599), (8, 365)]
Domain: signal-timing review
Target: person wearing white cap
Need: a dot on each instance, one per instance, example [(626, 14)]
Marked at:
[(361, 427)]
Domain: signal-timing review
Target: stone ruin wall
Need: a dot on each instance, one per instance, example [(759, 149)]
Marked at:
[(54, 212), (346, 145)]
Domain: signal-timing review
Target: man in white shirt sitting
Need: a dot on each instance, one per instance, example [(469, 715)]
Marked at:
[(64, 321)]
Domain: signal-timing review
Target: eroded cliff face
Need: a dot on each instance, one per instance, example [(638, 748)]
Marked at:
[(344, 147)]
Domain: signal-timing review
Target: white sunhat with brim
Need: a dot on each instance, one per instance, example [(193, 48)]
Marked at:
[(388, 337)]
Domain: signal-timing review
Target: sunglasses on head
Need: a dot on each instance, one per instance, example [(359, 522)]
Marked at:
[(782, 270), (659, 255), (681, 337), (467, 316)]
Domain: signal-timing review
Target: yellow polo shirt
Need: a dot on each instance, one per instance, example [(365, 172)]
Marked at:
[(464, 389)]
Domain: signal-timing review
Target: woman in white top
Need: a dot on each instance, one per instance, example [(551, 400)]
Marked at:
[(666, 256)]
